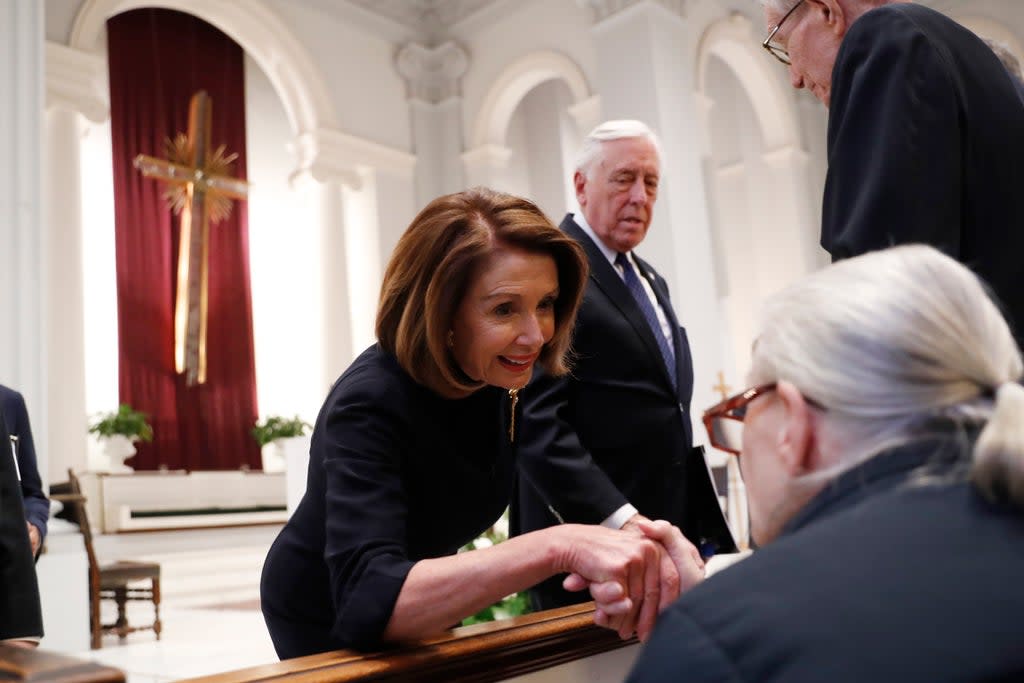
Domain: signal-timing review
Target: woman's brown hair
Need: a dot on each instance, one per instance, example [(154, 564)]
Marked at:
[(430, 271)]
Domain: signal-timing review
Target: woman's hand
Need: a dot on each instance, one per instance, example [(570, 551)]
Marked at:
[(680, 568), (624, 572)]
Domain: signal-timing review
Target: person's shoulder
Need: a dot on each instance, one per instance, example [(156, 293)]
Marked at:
[(374, 377)]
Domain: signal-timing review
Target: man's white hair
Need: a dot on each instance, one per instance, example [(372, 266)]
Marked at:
[(780, 6), (891, 341), (617, 129)]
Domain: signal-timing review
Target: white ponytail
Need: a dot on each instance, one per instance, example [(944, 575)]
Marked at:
[(998, 467)]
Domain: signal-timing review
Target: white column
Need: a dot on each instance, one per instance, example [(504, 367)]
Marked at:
[(338, 350), (486, 164), (646, 71), (66, 427), (23, 268), (75, 86), (432, 77), (366, 197)]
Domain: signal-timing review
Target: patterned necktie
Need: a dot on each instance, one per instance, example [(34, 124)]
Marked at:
[(636, 288)]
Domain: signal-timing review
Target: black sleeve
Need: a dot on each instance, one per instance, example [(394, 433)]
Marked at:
[(37, 505), (554, 462), (894, 147), (367, 429)]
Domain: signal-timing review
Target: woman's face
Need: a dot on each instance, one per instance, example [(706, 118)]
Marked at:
[(506, 317)]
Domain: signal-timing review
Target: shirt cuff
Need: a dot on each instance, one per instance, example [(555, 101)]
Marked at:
[(619, 517)]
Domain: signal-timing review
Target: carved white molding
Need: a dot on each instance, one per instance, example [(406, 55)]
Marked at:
[(601, 10), (295, 77), (329, 155), (586, 114), (426, 17), (487, 157), (734, 41), (519, 78), (786, 158), (77, 80), (432, 74)]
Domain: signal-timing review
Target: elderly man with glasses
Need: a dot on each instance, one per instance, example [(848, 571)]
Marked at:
[(924, 132)]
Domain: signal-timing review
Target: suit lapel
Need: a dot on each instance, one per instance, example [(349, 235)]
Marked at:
[(610, 282)]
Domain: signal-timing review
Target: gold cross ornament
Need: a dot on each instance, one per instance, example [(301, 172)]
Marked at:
[(202, 189)]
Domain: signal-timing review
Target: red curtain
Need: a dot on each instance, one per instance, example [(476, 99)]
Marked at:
[(158, 59)]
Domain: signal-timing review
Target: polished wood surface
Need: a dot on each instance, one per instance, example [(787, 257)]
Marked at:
[(32, 666), (484, 652)]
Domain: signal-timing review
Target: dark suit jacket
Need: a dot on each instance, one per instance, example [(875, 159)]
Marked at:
[(20, 612), (926, 144), (615, 430), (37, 505), (882, 577), (396, 474)]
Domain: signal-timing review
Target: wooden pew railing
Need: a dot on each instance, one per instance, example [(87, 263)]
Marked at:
[(493, 651), (35, 666)]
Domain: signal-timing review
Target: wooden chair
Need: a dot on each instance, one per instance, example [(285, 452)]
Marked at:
[(116, 581)]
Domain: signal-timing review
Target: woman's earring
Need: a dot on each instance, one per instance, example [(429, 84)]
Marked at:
[(451, 339)]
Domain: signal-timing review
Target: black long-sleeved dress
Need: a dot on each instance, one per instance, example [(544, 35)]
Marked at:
[(396, 474)]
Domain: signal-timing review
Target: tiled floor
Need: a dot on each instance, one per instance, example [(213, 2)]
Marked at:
[(210, 610)]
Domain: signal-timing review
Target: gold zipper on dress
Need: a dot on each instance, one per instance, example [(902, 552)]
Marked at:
[(514, 395)]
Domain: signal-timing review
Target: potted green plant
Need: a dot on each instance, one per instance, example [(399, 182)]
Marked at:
[(117, 433), (272, 434)]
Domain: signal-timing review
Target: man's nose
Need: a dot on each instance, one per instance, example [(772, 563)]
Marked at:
[(796, 79), (638, 191)]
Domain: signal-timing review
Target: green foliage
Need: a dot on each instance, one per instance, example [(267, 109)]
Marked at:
[(511, 605), (125, 421), (277, 427)]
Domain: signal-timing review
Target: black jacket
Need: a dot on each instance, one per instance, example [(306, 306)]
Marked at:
[(926, 144), (615, 430), (898, 571)]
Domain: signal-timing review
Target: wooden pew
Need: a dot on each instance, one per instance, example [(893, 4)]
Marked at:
[(492, 651), (35, 666)]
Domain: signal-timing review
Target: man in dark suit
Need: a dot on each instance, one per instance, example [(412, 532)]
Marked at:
[(37, 505), (21, 621), (925, 132), (612, 443)]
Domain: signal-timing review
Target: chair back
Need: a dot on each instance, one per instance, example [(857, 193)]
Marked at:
[(75, 502)]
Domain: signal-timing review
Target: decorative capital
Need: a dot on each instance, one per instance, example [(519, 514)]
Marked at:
[(76, 80), (329, 155), (432, 74), (605, 9)]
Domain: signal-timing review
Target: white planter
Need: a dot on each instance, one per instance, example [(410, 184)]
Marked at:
[(113, 451)]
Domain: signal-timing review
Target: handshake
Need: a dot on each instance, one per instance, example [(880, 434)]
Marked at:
[(632, 573)]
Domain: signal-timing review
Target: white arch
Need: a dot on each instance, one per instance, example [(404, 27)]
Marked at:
[(252, 25), (989, 28), (733, 41), (514, 83)]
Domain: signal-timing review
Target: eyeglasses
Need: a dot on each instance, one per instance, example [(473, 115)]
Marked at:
[(780, 53), (724, 420)]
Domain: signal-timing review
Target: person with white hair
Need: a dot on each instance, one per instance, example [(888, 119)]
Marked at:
[(924, 130), (611, 443), (882, 443)]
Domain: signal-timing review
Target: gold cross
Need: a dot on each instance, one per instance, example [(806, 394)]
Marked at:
[(201, 189), (722, 388)]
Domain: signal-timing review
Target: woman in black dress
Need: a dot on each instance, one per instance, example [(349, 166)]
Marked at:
[(413, 453)]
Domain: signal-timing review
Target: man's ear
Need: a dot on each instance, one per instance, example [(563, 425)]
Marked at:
[(833, 13), (579, 181), (797, 435)]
